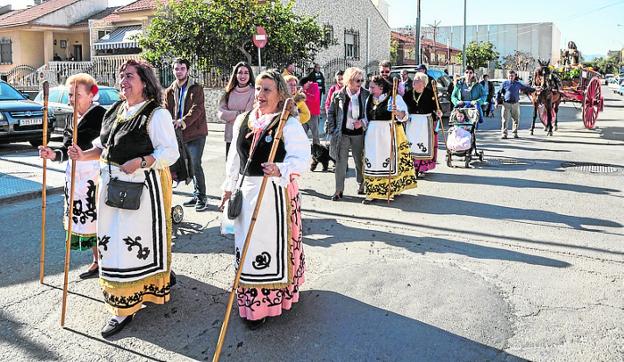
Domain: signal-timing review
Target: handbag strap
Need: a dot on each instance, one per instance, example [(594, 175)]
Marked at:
[(254, 144)]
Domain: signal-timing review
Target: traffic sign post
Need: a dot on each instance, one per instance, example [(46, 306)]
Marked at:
[(260, 40)]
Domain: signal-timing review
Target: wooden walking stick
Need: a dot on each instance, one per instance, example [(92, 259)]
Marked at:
[(46, 96), (70, 207), (395, 86), (434, 85), (284, 116)]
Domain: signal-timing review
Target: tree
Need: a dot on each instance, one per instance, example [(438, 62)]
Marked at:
[(480, 54), (605, 65), (394, 52), (519, 61), (219, 33)]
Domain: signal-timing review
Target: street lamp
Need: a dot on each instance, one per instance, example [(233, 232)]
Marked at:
[(464, 46)]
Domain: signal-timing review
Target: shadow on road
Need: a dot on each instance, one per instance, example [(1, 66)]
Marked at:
[(324, 325), (336, 232), (13, 334)]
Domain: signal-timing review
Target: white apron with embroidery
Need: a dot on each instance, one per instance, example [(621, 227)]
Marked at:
[(132, 243), (266, 262), (419, 132), (85, 196), (377, 161)]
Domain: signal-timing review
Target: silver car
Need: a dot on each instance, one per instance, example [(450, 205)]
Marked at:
[(58, 102)]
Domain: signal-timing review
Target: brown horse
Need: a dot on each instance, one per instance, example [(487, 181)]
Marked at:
[(546, 98)]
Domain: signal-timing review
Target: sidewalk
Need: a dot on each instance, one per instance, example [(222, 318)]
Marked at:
[(21, 177)]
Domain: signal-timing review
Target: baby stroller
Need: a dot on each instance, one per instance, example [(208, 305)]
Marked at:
[(462, 138), (182, 170)]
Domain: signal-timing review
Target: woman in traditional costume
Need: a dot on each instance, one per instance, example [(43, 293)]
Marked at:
[(274, 267), (137, 145), (421, 128), (387, 172), (90, 114)]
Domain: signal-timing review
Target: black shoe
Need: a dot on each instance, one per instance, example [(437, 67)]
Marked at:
[(191, 202), (361, 190), (201, 205), (173, 280), (114, 327), (313, 166), (367, 201), (91, 273), (253, 325), (337, 196)]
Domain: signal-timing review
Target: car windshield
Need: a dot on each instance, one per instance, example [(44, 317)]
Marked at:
[(8, 93), (108, 96)]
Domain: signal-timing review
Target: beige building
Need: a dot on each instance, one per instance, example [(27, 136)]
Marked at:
[(53, 30)]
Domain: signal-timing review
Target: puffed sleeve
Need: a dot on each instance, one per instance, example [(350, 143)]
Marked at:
[(402, 107), (163, 138), (232, 164), (297, 147)]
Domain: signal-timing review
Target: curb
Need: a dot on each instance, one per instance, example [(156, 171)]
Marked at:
[(31, 195)]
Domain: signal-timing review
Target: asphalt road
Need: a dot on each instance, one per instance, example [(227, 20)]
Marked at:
[(516, 258)]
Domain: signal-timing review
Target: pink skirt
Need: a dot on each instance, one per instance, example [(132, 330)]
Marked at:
[(428, 165), (257, 303)]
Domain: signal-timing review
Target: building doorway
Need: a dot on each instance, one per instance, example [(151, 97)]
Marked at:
[(78, 52)]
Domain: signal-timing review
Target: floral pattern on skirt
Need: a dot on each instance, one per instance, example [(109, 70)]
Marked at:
[(377, 187), (428, 165), (257, 303)]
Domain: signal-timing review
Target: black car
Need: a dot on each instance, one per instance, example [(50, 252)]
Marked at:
[(20, 118)]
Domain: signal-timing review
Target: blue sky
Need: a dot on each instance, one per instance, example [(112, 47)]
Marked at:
[(591, 24)]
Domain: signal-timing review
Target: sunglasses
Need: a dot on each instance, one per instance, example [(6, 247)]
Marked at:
[(385, 72), (358, 80)]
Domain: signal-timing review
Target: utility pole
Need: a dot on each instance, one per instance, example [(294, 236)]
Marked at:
[(434, 27), (417, 34), (464, 46)]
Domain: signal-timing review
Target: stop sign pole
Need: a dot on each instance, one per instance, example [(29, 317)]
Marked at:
[(260, 40)]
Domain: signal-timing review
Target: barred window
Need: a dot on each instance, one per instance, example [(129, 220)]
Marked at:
[(6, 51), (329, 33), (352, 44), (103, 33)]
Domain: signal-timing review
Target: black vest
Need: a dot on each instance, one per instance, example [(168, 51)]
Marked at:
[(89, 128), (379, 112), (130, 138), (263, 148)]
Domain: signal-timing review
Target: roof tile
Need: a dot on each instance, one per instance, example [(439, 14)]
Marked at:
[(31, 14)]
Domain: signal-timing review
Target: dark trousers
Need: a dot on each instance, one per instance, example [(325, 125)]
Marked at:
[(196, 150)]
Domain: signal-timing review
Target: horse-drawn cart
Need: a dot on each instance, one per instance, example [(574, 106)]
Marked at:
[(584, 89)]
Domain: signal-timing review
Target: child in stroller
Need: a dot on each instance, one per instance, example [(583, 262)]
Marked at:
[(462, 139)]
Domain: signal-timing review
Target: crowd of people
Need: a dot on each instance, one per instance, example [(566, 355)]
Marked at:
[(153, 137)]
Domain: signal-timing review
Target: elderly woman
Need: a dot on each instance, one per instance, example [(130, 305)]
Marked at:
[(274, 266), (90, 114), (298, 97), (389, 169), (346, 124), (422, 124), (237, 99), (137, 145)]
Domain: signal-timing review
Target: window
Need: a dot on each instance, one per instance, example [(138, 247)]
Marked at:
[(103, 33), (6, 51), (329, 34), (352, 44)]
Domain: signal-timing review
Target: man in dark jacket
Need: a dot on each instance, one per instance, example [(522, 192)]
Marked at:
[(489, 87), (184, 99)]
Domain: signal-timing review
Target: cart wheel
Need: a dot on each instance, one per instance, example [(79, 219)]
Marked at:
[(177, 214), (448, 160), (480, 156), (467, 161), (592, 103)]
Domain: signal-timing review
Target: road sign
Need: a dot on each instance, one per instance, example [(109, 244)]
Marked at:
[(260, 38)]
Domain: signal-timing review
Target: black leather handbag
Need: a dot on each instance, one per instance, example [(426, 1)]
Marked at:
[(123, 194), (235, 204)]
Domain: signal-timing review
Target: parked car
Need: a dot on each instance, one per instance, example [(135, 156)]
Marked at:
[(608, 78), (620, 90), (20, 118), (442, 79), (58, 101)]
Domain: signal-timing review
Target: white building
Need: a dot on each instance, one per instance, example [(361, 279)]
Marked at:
[(541, 40)]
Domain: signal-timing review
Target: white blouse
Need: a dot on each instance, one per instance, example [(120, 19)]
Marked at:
[(161, 133), (296, 161)]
